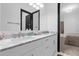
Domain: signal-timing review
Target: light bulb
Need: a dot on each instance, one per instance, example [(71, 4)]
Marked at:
[(34, 6), (37, 8), (30, 4), (69, 8), (41, 5), (38, 3)]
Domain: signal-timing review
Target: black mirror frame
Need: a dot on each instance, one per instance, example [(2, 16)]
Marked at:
[(22, 10)]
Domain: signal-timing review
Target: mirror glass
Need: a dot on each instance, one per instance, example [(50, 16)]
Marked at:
[(29, 20), (35, 21), (24, 20)]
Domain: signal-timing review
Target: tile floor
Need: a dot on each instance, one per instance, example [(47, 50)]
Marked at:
[(68, 50)]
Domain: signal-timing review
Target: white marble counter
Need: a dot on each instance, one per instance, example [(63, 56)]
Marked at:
[(8, 43)]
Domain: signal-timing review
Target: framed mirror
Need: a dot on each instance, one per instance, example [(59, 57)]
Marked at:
[(29, 20)]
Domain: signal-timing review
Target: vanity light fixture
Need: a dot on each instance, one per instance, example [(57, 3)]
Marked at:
[(30, 4), (41, 5), (37, 5), (37, 8), (69, 8), (34, 6)]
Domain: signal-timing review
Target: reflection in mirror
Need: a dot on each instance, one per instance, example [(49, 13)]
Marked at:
[(36, 20), (23, 20), (30, 21)]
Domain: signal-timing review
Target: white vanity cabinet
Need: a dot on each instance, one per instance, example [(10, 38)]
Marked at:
[(46, 46)]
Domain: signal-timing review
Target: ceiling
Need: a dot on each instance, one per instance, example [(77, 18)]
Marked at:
[(69, 7)]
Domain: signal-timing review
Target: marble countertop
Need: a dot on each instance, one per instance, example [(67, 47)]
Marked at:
[(13, 42)]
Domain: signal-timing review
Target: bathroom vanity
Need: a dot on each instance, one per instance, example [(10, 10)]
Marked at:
[(39, 45), (18, 24)]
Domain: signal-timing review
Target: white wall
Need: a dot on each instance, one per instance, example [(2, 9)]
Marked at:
[(49, 17), (43, 19), (71, 20), (11, 13), (0, 16), (70, 23), (52, 17)]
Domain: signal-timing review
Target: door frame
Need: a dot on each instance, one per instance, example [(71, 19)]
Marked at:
[(38, 18), (21, 11), (58, 34)]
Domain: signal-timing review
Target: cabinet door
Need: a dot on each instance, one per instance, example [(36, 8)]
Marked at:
[(50, 48), (39, 51), (36, 52), (55, 44), (47, 48), (50, 45)]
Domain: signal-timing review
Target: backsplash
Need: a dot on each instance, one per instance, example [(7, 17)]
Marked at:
[(7, 35)]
